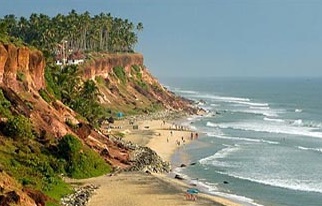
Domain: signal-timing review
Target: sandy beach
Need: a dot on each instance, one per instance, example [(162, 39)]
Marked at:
[(138, 188)]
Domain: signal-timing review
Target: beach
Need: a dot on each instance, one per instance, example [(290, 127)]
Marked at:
[(139, 188)]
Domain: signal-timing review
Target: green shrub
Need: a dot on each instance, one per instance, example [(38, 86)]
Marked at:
[(18, 127), (137, 71), (43, 93), (143, 85), (69, 146), (120, 74), (52, 84), (4, 106), (82, 162), (100, 80)]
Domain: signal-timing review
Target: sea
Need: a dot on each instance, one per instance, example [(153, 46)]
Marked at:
[(260, 142)]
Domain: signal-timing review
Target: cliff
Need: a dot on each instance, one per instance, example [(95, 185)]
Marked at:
[(124, 83), (127, 85), (21, 63)]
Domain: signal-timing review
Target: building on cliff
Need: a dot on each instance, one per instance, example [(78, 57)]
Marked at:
[(72, 59)]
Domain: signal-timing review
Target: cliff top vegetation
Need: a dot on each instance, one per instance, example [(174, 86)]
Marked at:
[(74, 31)]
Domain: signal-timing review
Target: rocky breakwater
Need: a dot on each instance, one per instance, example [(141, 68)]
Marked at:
[(21, 67), (143, 159)]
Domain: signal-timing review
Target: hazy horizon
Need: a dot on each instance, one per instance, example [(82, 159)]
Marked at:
[(211, 37)]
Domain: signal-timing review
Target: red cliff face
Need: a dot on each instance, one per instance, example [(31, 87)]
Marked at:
[(103, 66), (21, 61)]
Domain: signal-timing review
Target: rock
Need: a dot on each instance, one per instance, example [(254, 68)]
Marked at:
[(105, 152), (143, 158), (193, 163), (183, 165), (178, 177), (39, 198), (226, 182), (11, 197), (80, 196)]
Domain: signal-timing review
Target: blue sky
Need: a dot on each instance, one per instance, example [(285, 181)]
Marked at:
[(280, 38)]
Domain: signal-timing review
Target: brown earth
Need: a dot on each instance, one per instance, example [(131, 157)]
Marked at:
[(22, 76)]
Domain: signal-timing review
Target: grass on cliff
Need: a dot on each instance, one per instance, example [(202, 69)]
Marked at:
[(33, 168), (82, 162), (36, 160)]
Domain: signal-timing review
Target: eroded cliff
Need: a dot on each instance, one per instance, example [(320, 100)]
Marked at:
[(127, 85), (20, 65), (123, 81)]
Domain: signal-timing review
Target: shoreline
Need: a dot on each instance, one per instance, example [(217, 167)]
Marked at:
[(139, 188)]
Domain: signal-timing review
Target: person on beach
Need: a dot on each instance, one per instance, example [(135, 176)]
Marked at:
[(171, 133), (178, 143), (191, 136), (196, 135)]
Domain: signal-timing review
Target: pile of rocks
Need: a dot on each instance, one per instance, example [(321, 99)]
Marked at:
[(80, 196), (147, 160), (143, 158)]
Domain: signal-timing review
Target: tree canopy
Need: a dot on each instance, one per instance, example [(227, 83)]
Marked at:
[(74, 31)]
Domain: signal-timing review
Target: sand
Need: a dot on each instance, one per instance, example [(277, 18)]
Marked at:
[(135, 188)]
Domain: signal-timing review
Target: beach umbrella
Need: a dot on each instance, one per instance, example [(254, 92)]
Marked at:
[(193, 191)]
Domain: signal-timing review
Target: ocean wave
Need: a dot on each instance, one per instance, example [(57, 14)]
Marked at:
[(212, 160), (273, 120), (241, 199), (261, 108), (305, 123), (292, 184), (270, 128), (179, 90), (253, 104), (298, 110), (298, 122), (245, 139), (266, 113), (210, 124), (224, 98), (310, 149), (211, 188)]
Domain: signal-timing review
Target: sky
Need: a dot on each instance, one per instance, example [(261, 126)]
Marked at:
[(211, 38)]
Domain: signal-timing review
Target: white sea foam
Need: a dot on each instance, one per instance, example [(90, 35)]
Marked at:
[(298, 110), (210, 124), (245, 139), (298, 122), (240, 199), (301, 123), (273, 120), (267, 113), (212, 160), (293, 184), (211, 188), (226, 99), (270, 128), (254, 104), (310, 149), (256, 108)]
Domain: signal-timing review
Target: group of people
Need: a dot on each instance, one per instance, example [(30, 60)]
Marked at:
[(178, 142)]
